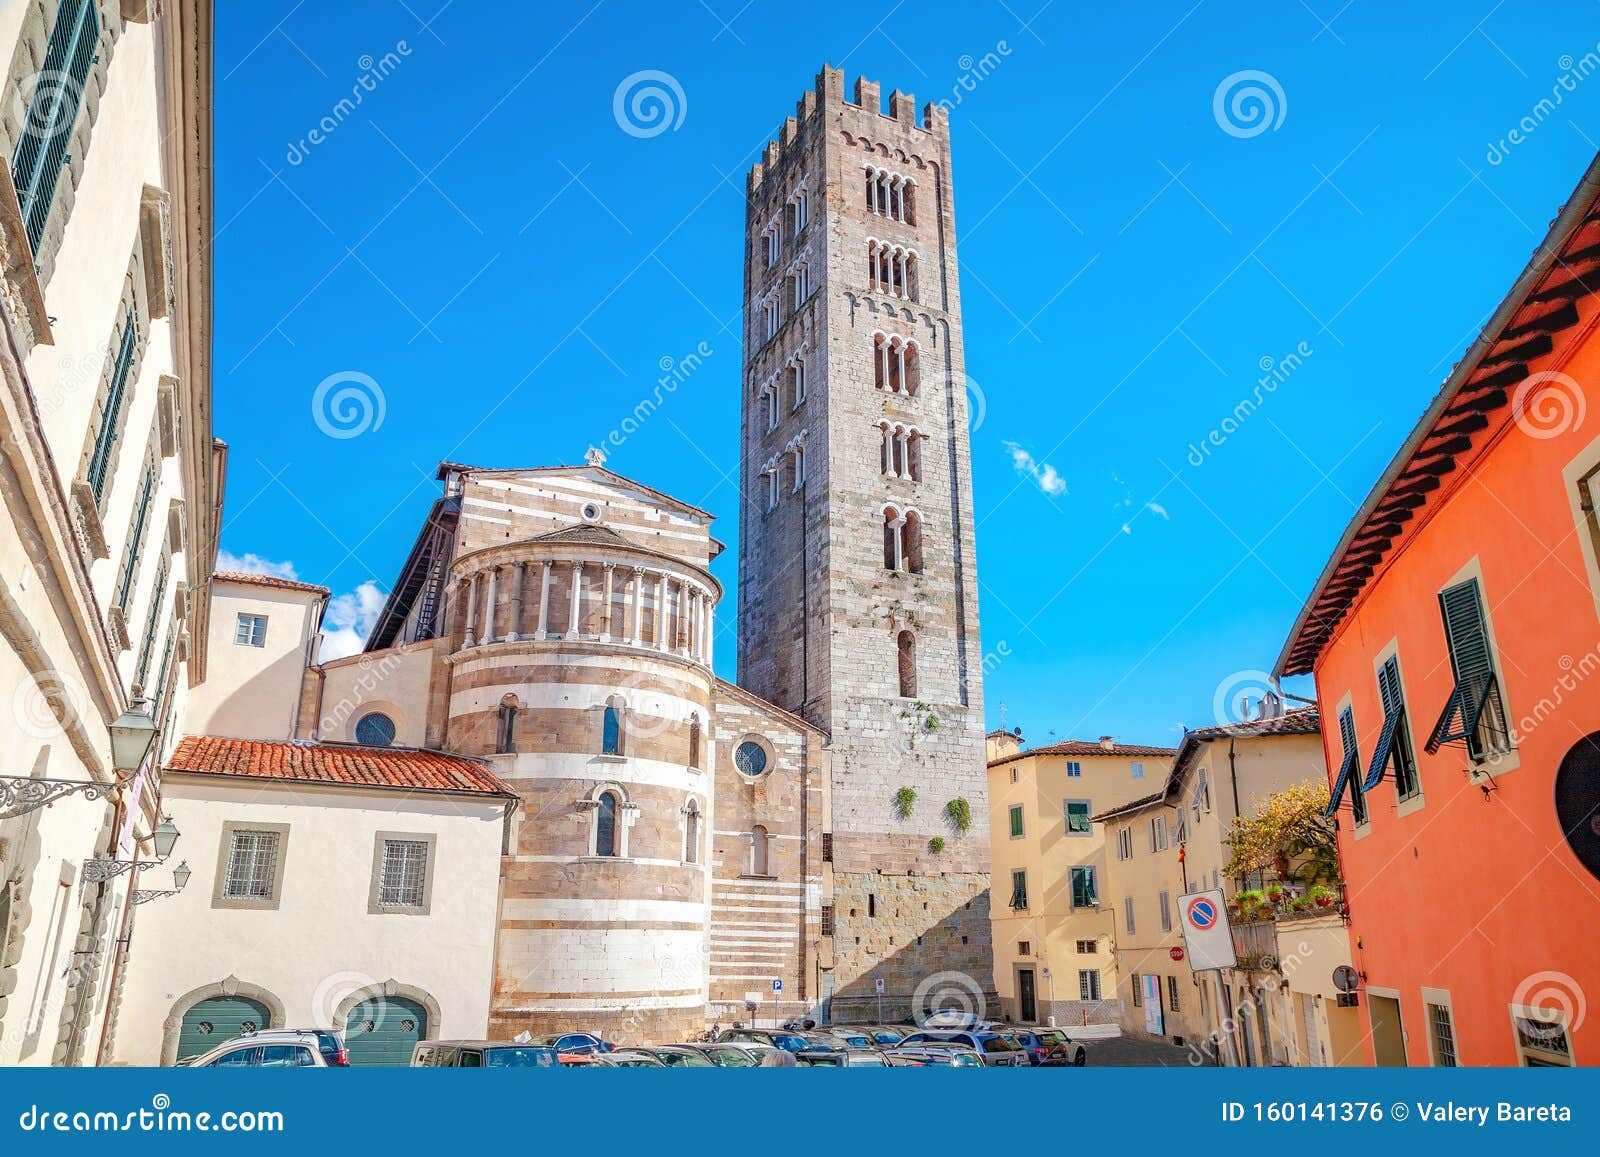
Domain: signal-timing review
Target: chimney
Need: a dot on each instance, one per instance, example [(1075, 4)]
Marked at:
[(1107, 742)]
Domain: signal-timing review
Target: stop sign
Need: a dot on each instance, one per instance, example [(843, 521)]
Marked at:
[(1175, 953)]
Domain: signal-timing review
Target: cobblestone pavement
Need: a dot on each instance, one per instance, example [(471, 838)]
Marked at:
[(1132, 1052)]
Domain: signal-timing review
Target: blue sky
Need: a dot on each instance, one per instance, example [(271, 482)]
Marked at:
[(478, 243)]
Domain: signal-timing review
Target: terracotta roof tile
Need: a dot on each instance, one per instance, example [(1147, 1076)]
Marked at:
[(268, 580), (335, 763), (1090, 747)]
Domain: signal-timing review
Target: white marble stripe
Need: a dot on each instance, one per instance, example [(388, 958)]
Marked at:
[(590, 1004), (741, 908), (736, 881), (757, 898), (605, 908)]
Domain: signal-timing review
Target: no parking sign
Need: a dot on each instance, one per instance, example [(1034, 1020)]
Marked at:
[(1205, 931)]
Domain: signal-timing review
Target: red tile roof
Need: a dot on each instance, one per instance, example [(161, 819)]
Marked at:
[(335, 763), (268, 580), (1090, 747)]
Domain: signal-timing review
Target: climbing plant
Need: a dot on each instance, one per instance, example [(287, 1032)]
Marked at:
[(959, 812), (904, 800)]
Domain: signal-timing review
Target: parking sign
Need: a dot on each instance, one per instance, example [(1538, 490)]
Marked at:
[(777, 986), (878, 984)]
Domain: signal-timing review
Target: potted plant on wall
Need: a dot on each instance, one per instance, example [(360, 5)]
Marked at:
[(1322, 896)]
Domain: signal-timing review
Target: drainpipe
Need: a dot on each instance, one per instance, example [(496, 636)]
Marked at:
[(1233, 774)]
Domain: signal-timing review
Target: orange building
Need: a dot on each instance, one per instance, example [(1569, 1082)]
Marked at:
[(1455, 640)]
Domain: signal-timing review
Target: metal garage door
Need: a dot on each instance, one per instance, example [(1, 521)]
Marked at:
[(383, 1030), (213, 1021)]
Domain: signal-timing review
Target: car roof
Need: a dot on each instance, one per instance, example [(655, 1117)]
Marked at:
[(481, 1044)]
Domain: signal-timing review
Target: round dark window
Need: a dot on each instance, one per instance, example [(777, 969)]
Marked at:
[(1578, 801), (750, 758), (375, 730)]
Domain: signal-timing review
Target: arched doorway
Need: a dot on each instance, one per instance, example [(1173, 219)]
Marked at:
[(382, 1030), (210, 1022)]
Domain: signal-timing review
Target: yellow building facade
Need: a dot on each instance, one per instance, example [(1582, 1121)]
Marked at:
[(1054, 931)]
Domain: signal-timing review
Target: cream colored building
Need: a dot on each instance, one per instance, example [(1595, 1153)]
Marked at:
[(110, 481), (1055, 932), (1157, 993), (333, 886), (1280, 1005), (264, 633)]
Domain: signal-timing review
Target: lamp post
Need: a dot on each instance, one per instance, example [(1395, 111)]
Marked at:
[(132, 734), (180, 877)]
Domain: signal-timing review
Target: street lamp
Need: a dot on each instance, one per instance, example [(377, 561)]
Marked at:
[(180, 877), (165, 836), (132, 733)]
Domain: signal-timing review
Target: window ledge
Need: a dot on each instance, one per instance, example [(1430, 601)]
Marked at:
[(612, 758), (88, 512), (1410, 806), (117, 621), (754, 876)]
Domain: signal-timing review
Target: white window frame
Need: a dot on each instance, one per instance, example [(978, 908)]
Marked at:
[(1066, 818), (250, 630)]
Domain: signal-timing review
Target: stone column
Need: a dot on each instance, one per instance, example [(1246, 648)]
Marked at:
[(661, 612), (488, 609), (577, 601), (637, 638), (888, 450), (517, 569), (900, 367), (898, 528), (605, 607), (544, 604), (468, 639)]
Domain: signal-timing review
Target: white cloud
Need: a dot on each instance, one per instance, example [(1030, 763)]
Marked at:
[(1042, 473), (349, 620), (254, 564), (1157, 508)]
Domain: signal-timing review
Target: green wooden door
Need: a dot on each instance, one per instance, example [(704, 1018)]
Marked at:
[(383, 1030), (213, 1021)]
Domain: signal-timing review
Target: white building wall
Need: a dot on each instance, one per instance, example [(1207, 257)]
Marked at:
[(320, 945)]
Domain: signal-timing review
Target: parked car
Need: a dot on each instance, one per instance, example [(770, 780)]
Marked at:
[(916, 1056), (482, 1054), (678, 1056), (997, 1050), (855, 1038), (882, 1035), (279, 1048), (755, 1050), (842, 1058), (789, 1042), (615, 1059), (724, 1056), (1052, 1047), (574, 1042)]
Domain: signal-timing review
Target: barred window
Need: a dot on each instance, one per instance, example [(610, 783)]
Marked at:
[(404, 875), (252, 865)]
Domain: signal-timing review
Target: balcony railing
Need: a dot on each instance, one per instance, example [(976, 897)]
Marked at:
[(1256, 945)]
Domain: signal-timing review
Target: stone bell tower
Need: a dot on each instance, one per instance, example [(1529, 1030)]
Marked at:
[(857, 571)]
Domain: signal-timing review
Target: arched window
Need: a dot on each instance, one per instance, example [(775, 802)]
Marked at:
[(758, 851), (611, 728), (913, 542), (911, 369), (691, 833), (694, 740), (769, 399), (892, 523), (605, 826), (375, 729), (799, 466), (902, 539), (797, 381), (906, 644), (914, 454), (506, 741), (908, 202)]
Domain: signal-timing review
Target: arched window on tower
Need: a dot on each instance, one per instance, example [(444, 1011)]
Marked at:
[(769, 402), (908, 201), (797, 380), (906, 645), (611, 727), (606, 841), (799, 466), (913, 542), (893, 522), (506, 739), (758, 851)]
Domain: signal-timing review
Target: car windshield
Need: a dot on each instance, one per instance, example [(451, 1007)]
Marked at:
[(856, 1040), (1052, 1036), (998, 1044), (634, 1063), (683, 1060), (884, 1037), (520, 1057), (789, 1042), (822, 1062), (734, 1058)]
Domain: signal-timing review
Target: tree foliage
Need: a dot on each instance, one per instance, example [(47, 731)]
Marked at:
[(1287, 836)]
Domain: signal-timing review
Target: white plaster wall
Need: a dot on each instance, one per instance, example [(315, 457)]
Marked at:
[(254, 692), (320, 944), (394, 681)]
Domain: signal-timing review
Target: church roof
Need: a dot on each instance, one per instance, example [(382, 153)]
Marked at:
[(588, 470), (339, 764)]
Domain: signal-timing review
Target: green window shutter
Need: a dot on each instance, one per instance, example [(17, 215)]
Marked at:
[(106, 436), (1349, 778), (1019, 889), (41, 153), (1466, 634), (150, 623), (141, 517), (1016, 821)]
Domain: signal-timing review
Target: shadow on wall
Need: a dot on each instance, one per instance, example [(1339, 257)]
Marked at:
[(266, 707), (940, 974)]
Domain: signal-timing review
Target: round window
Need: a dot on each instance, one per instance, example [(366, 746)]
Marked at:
[(591, 512), (750, 758), (375, 730)]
